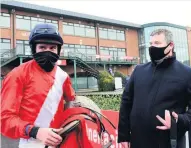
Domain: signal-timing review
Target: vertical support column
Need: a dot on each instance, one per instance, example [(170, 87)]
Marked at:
[(60, 29), (104, 66), (97, 38), (87, 83), (13, 30), (189, 43), (75, 76), (126, 41)]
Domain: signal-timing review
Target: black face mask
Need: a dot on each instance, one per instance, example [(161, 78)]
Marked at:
[(157, 53), (46, 60)]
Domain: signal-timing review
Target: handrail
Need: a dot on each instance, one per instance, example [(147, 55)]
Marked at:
[(86, 58), (5, 56), (93, 58), (8, 51), (94, 70)]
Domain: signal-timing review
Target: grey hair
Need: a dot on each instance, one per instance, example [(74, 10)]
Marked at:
[(168, 34)]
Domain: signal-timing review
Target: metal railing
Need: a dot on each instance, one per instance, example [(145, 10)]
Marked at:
[(93, 58), (5, 56), (87, 58)]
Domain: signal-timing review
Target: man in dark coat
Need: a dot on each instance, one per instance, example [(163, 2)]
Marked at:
[(157, 92)]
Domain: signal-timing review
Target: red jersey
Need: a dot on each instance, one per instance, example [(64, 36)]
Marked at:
[(30, 95)]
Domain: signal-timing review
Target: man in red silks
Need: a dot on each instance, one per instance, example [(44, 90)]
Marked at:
[(32, 94)]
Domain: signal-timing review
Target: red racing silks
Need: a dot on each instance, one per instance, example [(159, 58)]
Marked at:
[(32, 96)]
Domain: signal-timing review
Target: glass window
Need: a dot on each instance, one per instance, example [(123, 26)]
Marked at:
[(23, 47), (5, 45), (77, 46), (112, 34), (19, 16), (5, 20), (82, 50), (55, 22), (48, 21), (82, 46), (26, 42), (67, 29), (19, 49), (19, 42), (5, 14), (103, 33), (104, 52), (34, 18), (121, 53), (6, 40), (28, 23), (76, 25), (121, 36), (27, 50), (70, 45), (90, 32), (23, 24), (115, 49), (91, 51), (79, 31), (41, 20), (65, 45), (26, 17), (71, 24)]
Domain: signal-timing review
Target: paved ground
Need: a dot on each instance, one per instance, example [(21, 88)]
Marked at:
[(84, 92), (8, 143)]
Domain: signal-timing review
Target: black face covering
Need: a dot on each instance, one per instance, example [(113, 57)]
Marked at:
[(157, 53), (46, 60)]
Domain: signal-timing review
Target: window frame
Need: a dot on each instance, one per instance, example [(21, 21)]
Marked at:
[(6, 15), (35, 19)]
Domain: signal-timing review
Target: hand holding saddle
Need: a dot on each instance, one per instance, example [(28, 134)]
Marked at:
[(74, 132)]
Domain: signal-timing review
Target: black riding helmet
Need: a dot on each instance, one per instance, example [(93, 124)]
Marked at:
[(45, 33)]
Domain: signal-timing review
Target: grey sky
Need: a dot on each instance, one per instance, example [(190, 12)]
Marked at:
[(139, 12)]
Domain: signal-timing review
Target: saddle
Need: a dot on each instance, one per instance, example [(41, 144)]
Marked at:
[(74, 133)]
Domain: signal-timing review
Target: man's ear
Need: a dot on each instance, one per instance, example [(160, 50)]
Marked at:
[(172, 45)]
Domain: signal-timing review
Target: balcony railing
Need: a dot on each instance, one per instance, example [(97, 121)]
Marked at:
[(8, 55), (85, 57), (101, 58)]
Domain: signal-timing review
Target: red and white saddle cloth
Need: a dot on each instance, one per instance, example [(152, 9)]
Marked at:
[(74, 131)]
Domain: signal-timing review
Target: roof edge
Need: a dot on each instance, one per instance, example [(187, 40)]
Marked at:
[(33, 7), (163, 24)]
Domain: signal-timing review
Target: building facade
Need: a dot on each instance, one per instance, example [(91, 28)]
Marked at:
[(91, 43)]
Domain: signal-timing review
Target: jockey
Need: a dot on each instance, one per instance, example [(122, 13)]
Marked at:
[(33, 94)]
